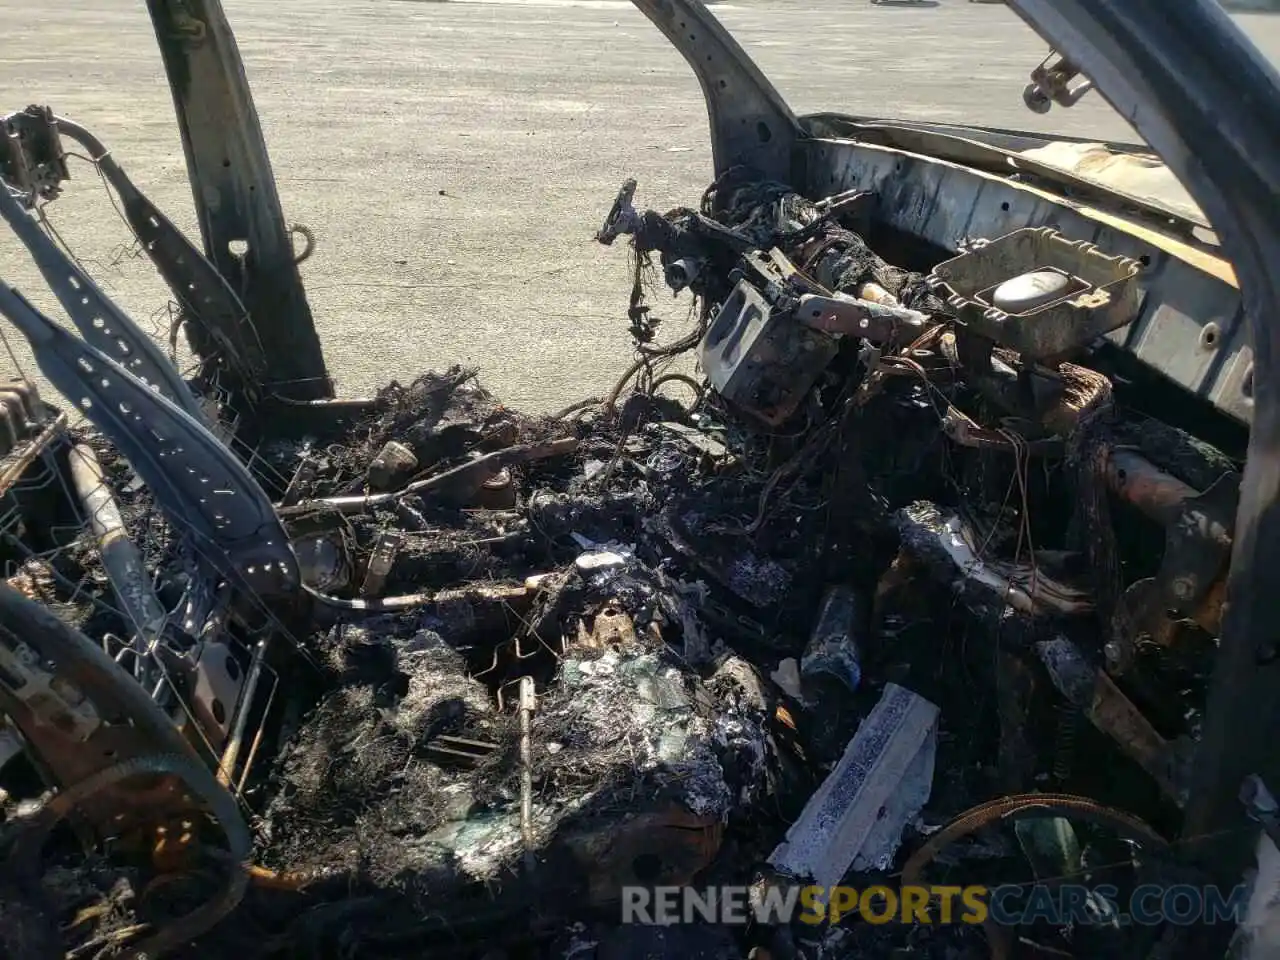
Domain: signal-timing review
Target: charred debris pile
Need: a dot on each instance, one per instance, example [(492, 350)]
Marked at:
[(904, 544)]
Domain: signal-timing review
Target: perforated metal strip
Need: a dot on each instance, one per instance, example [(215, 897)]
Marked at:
[(102, 324)]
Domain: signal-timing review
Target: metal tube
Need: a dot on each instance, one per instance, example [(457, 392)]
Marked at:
[(227, 765), (120, 557), (461, 482)]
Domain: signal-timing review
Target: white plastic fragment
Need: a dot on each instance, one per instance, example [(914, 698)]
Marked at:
[(856, 818), (536, 581), (1258, 937)]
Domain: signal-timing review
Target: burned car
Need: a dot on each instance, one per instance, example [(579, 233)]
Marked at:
[(947, 562)]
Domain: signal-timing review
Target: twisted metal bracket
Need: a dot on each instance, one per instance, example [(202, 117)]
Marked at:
[(196, 480), (220, 320), (103, 325)]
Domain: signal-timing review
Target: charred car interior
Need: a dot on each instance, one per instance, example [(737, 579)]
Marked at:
[(936, 548)]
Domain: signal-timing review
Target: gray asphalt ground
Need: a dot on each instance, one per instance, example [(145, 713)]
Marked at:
[(527, 114)]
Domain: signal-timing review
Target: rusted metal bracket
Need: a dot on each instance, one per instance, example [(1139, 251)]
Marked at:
[(80, 713), (237, 205), (1141, 612), (853, 317), (1197, 537)]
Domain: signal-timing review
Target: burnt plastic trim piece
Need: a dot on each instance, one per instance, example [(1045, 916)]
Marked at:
[(235, 195), (1208, 102), (102, 324), (198, 482), (751, 125)]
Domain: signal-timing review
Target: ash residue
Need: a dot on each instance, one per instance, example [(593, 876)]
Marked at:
[(761, 579), (619, 721), (356, 780)]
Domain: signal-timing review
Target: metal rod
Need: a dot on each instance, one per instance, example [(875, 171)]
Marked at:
[(1107, 708), (17, 466), (461, 481), (257, 739), (229, 756), (528, 703)]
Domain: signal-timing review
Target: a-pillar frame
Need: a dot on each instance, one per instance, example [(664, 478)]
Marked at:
[(236, 201), (751, 124)]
